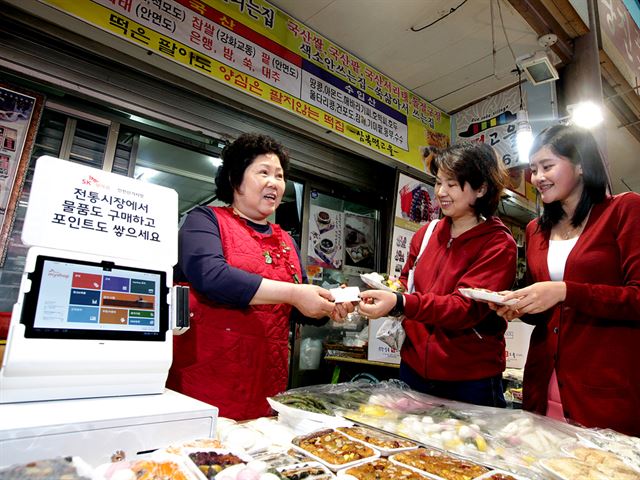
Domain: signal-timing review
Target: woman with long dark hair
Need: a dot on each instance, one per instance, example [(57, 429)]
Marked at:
[(583, 269)]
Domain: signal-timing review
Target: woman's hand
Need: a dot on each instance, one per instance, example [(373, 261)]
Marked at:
[(341, 310), (376, 303), (536, 298), (504, 311), (313, 301)]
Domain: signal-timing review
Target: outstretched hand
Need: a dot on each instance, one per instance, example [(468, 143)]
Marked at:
[(504, 311), (341, 310), (313, 301), (536, 298), (376, 303)]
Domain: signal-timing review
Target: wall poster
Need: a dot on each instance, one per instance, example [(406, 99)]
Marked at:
[(360, 242), (20, 112), (416, 205), (326, 245)]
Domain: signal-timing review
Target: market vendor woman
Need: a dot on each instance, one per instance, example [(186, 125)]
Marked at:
[(245, 276)]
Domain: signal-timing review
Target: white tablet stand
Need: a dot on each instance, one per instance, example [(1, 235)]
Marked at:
[(96, 307)]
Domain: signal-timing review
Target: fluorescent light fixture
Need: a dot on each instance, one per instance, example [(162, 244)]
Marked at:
[(585, 114), (524, 138), (538, 68)]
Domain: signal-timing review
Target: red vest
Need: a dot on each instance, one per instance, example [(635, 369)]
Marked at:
[(234, 358)]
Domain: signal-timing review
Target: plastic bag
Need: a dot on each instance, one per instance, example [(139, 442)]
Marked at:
[(392, 332), (310, 353)]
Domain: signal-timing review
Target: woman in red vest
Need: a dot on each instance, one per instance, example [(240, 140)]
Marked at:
[(245, 276), (455, 346), (583, 266)]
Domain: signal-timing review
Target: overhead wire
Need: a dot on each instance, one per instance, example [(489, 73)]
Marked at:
[(494, 50), (451, 10), (520, 86), (504, 30)]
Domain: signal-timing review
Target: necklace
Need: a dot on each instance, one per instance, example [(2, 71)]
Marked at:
[(570, 231)]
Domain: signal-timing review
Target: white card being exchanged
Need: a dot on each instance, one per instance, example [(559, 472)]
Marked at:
[(346, 294)]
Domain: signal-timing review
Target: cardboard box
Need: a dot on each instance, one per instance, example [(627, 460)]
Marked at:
[(379, 351), (517, 337)]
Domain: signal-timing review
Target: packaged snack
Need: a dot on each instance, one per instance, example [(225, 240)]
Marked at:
[(334, 449), (386, 444), (67, 468), (381, 469), (441, 465)]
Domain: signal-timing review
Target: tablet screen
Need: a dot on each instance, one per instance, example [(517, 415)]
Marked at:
[(79, 299)]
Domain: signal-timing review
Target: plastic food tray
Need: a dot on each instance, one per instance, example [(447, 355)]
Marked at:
[(385, 452), (333, 466), (552, 472), (343, 474), (196, 469), (570, 452), (300, 466), (67, 467), (488, 475), (372, 283), (279, 459), (433, 475), (184, 467), (320, 420)]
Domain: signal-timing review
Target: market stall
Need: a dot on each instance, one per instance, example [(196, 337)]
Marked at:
[(362, 431)]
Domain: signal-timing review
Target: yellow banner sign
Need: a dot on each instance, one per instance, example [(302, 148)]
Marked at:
[(255, 47)]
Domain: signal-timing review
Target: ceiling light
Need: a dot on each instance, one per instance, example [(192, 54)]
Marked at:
[(215, 161), (585, 114), (524, 138), (538, 68)]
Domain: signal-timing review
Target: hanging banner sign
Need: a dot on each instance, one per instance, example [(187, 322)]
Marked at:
[(621, 39), (493, 121), (257, 48)]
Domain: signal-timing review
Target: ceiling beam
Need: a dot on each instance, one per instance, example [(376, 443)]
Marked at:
[(565, 13), (542, 21), (620, 96)]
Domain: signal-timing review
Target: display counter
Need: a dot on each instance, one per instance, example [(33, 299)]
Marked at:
[(98, 428), (383, 431)]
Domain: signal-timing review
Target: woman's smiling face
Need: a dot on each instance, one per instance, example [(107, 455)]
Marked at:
[(554, 176), (261, 189), (455, 200)]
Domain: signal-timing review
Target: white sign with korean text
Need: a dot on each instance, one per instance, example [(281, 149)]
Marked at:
[(82, 209)]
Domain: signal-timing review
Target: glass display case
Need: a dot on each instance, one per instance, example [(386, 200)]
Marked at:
[(342, 239)]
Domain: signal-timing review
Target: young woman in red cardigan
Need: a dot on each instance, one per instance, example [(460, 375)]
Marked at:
[(455, 346), (583, 264)]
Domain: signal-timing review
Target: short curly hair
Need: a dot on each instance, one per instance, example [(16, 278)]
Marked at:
[(237, 156), (478, 164)]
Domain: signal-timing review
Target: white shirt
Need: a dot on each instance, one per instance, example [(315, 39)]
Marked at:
[(559, 251)]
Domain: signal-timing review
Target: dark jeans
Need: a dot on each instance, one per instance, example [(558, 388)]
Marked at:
[(486, 391)]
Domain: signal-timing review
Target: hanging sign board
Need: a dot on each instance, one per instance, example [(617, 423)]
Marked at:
[(254, 47), (493, 121)]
